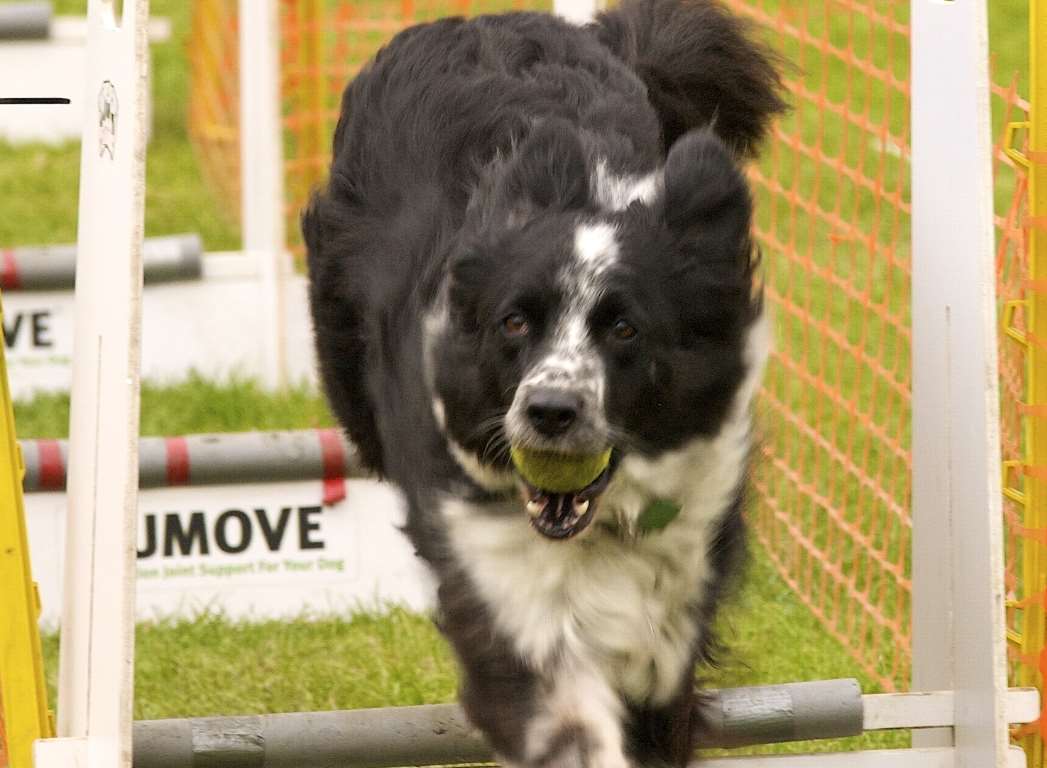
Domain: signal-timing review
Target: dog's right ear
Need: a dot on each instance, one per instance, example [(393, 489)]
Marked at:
[(548, 170), (705, 191)]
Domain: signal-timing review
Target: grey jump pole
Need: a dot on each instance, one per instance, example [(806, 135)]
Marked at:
[(53, 267), (25, 20), (439, 734), (215, 459)]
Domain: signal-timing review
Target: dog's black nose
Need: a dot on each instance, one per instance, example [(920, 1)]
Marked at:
[(553, 411)]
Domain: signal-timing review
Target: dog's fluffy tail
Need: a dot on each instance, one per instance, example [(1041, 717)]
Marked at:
[(701, 66)]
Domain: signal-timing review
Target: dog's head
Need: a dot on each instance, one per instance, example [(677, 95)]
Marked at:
[(573, 325)]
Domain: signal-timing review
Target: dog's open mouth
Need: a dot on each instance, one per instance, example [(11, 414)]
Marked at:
[(563, 515)]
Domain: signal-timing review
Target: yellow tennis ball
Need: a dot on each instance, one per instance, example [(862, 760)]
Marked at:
[(559, 472)]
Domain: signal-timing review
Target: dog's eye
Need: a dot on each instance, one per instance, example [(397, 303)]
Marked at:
[(623, 330), (515, 326)]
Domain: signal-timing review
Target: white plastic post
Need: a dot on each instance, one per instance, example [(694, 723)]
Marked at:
[(577, 11), (957, 558), (96, 686), (261, 173)]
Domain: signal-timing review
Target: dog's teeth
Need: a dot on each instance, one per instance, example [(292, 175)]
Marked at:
[(534, 507), (580, 507)]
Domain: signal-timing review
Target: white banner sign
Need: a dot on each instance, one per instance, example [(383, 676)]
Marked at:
[(252, 551), (208, 326)]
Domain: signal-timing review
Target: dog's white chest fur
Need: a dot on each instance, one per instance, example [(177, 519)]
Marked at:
[(616, 601), (621, 603)]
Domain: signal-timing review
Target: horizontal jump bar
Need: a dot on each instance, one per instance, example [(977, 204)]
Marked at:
[(231, 458), (936, 709), (28, 20), (53, 267), (439, 734), (32, 100)]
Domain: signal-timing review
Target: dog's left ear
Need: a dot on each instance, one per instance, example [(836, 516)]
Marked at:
[(705, 191), (549, 170)]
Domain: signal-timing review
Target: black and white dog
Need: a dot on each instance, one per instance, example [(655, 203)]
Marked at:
[(538, 235)]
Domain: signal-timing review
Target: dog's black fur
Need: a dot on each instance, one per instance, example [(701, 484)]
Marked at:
[(463, 160)]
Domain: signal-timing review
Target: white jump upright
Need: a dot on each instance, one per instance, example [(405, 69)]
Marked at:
[(957, 557), (261, 174), (577, 11), (97, 652)]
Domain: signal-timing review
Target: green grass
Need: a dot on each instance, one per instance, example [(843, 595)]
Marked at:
[(195, 405), (38, 183), (212, 666)]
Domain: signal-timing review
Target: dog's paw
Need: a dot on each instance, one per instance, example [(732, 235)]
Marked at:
[(574, 746)]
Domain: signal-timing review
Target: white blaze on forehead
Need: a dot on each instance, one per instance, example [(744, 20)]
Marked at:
[(595, 251), (583, 280)]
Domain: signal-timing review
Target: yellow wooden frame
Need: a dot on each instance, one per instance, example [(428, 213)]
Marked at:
[(23, 695), (1035, 469), (1025, 480)]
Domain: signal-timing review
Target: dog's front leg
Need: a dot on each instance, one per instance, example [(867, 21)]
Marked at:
[(577, 722), (566, 717)]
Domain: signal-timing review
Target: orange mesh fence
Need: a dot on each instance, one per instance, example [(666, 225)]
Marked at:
[(833, 499), (324, 44), (214, 120), (832, 502)]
